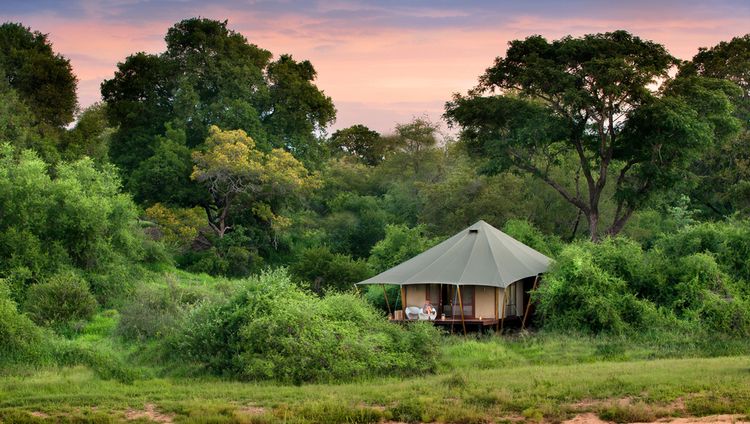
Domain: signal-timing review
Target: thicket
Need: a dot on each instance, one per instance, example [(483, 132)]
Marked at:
[(270, 329), (694, 279)]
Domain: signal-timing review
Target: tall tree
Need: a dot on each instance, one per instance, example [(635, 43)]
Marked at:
[(724, 172), (606, 99), (43, 79), (360, 142), (211, 75)]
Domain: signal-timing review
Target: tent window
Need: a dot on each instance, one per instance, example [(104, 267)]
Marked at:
[(473, 231), (510, 308)]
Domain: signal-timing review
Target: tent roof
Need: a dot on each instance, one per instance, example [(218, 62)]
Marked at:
[(479, 255)]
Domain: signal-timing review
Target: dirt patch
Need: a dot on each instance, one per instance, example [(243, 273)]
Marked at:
[(594, 404), (252, 410), (39, 414), (587, 418), (711, 419), (150, 413)]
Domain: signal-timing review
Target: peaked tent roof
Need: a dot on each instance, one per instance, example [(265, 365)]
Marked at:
[(479, 255)]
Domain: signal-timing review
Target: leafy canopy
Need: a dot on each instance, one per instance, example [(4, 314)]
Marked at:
[(43, 78), (237, 174), (606, 100), (211, 75)]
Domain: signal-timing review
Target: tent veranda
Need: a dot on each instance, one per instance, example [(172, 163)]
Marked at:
[(479, 256)]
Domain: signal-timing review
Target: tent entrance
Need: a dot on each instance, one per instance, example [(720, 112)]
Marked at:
[(450, 304)]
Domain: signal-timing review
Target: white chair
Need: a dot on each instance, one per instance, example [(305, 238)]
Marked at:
[(413, 312)]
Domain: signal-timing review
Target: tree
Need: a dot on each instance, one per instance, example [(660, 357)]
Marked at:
[(594, 98), (237, 174), (723, 173), (43, 79), (21, 128), (90, 136), (211, 75), (360, 142)]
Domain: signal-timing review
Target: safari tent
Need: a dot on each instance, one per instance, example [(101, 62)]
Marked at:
[(479, 276)]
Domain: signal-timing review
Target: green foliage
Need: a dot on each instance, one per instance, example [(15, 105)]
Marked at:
[(581, 293), (359, 142), (211, 75), (165, 176), (238, 175), (355, 224), (557, 98), (20, 128), (526, 233), (59, 300), (22, 340), (149, 313), (374, 296), (321, 270), (43, 78), (272, 330), (400, 244), (90, 137), (79, 218)]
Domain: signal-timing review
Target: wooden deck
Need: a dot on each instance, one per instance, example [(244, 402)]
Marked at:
[(472, 324)]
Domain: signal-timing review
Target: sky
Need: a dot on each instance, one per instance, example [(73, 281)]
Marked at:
[(382, 62)]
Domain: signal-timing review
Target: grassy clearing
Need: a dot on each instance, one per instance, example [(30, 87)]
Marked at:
[(619, 391)]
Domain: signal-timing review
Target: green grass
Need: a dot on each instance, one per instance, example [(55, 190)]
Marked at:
[(554, 392)]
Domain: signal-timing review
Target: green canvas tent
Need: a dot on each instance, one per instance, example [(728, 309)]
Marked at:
[(477, 266)]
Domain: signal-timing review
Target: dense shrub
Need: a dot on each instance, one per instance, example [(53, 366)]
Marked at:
[(71, 216), (230, 256), (273, 330), (728, 241), (61, 299), (320, 270), (578, 294), (400, 244), (725, 315), (373, 294), (523, 231), (150, 313), (21, 339)]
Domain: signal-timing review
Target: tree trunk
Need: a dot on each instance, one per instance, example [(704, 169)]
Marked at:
[(593, 219)]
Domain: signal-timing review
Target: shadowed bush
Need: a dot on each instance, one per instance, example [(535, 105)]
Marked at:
[(63, 298)]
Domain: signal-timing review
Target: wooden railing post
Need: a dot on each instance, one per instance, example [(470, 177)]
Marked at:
[(461, 305)]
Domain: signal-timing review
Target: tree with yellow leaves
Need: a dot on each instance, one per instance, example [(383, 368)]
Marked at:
[(238, 175)]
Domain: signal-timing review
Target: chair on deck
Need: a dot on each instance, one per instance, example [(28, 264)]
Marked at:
[(413, 312)]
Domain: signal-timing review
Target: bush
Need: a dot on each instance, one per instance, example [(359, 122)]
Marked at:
[(61, 299), (577, 294), (273, 330), (321, 270), (374, 296), (526, 233), (401, 243), (22, 341), (725, 315), (152, 312), (73, 216)]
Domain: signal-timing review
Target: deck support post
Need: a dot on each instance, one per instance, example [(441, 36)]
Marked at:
[(403, 301), (502, 314), (497, 306), (461, 305), (387, 305), (528, 305)]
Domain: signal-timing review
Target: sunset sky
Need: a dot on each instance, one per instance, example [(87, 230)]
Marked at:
[(382, 62)]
